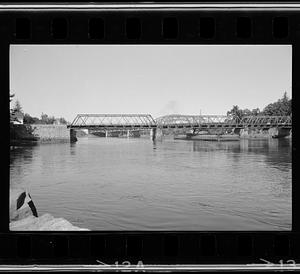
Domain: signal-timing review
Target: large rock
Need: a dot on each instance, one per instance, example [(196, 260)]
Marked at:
[(24, 217), (44, 223), (21, 204)]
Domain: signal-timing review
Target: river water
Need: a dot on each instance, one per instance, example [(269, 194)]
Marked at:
[(135, 184)]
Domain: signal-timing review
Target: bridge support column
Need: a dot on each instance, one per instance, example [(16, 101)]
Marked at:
[(279, 132), (136, 133), (106, 133), (159, 133), (237, 131), (153, 134), (128, 133), (73, 137)]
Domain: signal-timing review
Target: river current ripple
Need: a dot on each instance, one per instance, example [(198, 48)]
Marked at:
[(135, 184)]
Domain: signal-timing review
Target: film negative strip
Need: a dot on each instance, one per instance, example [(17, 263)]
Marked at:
[(150, 227)]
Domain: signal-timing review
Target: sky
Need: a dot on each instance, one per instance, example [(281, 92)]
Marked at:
[(66, 80)]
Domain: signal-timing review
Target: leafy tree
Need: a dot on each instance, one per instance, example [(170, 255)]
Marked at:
[(18, 107), (239, 113), (51, 120), (44, 118), (255, 112), (235, 112), (11, 110), (283, 107), (30, 120), (246, 112), (62, 121)]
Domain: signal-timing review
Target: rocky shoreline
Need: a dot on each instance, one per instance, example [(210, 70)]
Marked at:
[(24, 216), (45, 222)]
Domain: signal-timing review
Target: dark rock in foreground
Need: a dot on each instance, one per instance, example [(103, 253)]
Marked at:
[(24, 216)]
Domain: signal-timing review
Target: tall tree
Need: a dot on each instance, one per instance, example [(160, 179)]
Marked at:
[(235, 112), (44, 118), (11, 96), (18, 107), (11, 118), (255, 112), (283, 107), (30, 120), (62, 120)]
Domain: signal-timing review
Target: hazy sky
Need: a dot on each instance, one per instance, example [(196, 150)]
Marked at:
[(64, 80)]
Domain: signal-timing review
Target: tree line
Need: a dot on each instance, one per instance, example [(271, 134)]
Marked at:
[(282, 107), (28, 119)]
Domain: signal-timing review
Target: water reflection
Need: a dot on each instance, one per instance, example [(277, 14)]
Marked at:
[(20, 158), (73, 149), (22, 153), (277, 152), (154, 144)]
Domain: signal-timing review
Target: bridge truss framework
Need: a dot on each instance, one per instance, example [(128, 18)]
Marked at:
[(222, 121), (145, 121), (113, 121)]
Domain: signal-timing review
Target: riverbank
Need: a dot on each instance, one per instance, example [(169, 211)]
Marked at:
[(25, 134)]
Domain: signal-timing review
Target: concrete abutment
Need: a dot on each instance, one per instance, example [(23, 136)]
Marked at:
[(73, 137)]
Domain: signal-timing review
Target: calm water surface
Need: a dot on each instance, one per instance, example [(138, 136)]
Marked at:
[(133, 184)]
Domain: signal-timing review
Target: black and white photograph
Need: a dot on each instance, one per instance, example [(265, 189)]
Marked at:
[(150, 138)]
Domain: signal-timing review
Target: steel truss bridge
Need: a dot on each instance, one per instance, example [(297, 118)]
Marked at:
[(222, 121), (145, 121), (113, 121)]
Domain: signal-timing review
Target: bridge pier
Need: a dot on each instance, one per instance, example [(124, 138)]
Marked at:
[(73, 137), (128, 133), (159, 133), (153, 134), (237, 131), (136, 133), (106, 133), (279, 132)]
